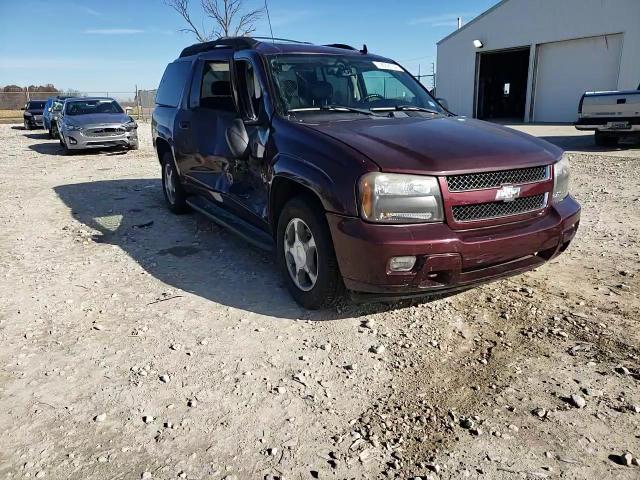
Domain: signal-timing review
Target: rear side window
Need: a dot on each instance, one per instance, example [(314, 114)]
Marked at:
[(172, 84)]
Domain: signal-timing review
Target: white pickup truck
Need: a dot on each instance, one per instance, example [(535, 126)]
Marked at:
[(611, 115)]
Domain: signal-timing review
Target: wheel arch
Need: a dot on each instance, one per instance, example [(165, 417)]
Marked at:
[(283, 189), (162, 147)]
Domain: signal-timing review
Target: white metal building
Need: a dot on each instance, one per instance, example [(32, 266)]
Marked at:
[(537, 58)]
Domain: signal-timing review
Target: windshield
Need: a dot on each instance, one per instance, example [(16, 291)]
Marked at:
[(313, 81), (86, 107), (35, 105)]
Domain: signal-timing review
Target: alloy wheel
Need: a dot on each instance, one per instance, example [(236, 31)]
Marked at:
[(301, 254), (169, 183)]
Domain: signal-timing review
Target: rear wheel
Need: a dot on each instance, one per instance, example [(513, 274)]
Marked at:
[(174, 194), (306, 256), (605, 140)]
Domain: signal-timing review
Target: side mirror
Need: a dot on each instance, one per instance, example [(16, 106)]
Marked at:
[(443, 102), (49, 109), (23, 108), (237, 139)]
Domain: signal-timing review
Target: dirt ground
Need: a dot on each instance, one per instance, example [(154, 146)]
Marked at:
[(140, 344)]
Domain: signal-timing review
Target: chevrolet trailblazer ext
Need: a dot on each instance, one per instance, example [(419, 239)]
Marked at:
[(344, 164)]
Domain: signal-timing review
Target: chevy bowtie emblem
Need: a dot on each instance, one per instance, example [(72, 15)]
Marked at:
[(508, 193)]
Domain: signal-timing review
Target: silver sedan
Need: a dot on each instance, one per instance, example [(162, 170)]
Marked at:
[(87, 123)]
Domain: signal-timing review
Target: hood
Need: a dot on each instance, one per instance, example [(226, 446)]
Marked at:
[(98, 119), (441, 145)]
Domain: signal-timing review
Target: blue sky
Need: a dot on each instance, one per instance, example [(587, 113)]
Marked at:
[(97, 45)]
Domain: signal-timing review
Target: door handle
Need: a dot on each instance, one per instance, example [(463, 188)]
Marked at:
[(185, 125)]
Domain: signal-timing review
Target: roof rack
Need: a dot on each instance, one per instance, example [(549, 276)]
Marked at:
[(237, 43), (344, 46), (280, 40)]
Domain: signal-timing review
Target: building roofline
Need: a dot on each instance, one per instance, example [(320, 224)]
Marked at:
[(483, 14)]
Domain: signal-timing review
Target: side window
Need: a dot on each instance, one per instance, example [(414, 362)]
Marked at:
[(214, 87), (249, 89), (383, 83), (172, 84)]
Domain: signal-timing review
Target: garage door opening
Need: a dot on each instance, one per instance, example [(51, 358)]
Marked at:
[(502, 85)]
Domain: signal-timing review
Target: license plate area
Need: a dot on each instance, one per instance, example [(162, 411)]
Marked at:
[(618, 125)]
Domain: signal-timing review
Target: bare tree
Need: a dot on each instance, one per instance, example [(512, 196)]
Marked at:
[(227, 15)]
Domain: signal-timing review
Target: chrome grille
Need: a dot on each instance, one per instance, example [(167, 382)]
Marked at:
[(477, 181), (104, 132), (483, 211)]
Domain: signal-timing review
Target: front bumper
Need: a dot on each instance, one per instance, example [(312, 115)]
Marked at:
[(78, 140), (447, 260), (34, 120)]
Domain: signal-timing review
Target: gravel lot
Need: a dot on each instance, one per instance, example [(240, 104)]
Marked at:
[(139, 344)]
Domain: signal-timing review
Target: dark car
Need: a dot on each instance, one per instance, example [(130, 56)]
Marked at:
[(32, 115), (358, 179)]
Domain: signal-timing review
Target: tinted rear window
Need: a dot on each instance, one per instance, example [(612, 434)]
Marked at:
[(172, 83)]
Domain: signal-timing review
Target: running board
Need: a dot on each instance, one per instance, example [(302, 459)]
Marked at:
[(248, 232)]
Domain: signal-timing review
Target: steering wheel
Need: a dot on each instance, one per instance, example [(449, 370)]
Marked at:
[(372, 96)]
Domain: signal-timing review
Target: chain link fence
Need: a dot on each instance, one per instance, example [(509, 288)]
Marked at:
[(139, 104)]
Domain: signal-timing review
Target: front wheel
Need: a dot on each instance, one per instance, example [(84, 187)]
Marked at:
[(174, 194), (27, 126), (306, 256)]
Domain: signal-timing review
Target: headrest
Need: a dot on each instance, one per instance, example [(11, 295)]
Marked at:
[(321, 91), (221, 89)]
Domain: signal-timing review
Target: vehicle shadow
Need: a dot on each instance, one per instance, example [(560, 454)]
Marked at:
[(189, 252), (44, 135), (585, 143), (53, 147)]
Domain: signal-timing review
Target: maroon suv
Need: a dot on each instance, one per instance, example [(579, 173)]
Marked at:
[(342, 163)]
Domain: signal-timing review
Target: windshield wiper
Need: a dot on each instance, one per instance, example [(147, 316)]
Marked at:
[(333, 108), (405, 108)]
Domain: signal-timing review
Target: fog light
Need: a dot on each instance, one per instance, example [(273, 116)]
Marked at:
[(72, 141), (402, 264)]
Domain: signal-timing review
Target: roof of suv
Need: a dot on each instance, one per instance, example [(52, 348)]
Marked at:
[(271, 46)]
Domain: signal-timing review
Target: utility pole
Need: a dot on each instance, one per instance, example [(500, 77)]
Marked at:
[(433, 75)]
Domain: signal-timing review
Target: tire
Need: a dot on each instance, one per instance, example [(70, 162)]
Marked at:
[(27, 126), (53, 131), (50, 134), (175, 196), (604, 140), (65, 149), (328, 288)]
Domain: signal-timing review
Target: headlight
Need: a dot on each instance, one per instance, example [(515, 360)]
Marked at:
[(27, 114), (132, 125), (72, 128), (397, 198), (561, 179)]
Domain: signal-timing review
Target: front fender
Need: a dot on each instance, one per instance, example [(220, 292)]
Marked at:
[(312, 177)]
